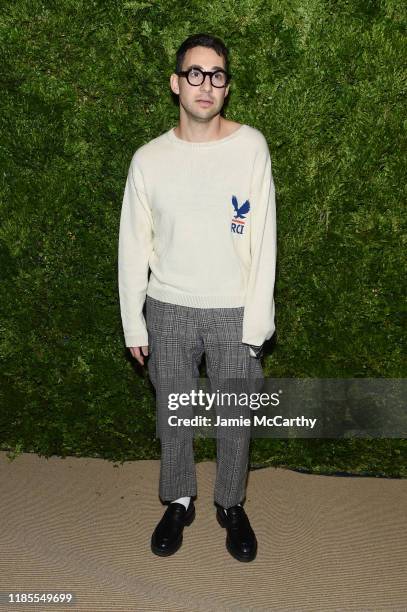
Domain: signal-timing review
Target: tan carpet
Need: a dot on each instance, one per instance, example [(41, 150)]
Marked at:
[(84, 526)]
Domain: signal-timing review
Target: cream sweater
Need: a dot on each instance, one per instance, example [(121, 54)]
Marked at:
[(202, 217)]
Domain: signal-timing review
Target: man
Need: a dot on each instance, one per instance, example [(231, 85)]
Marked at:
[(199, 211)]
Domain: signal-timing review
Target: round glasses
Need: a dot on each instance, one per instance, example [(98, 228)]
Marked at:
[(196, 77)]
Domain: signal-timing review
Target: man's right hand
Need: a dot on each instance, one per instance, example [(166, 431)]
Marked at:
[(137, 354)]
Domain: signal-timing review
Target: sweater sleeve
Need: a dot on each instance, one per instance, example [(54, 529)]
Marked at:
[(135, 247), (258, 321)]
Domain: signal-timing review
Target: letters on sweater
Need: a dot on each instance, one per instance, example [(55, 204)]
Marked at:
[(202, 217)]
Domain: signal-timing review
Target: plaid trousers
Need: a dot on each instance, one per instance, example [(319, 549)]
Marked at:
[(178, 337)]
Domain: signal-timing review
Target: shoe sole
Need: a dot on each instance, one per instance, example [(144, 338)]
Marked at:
[(168, 553), (235, 555)]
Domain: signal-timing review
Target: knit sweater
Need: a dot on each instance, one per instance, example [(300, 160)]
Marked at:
[(201, 216)]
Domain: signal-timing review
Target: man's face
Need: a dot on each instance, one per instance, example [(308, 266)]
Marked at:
[(189, 95)]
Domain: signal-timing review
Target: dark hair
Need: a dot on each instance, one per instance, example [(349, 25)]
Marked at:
[(202, 40)]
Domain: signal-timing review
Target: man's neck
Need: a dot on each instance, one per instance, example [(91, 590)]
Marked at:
[(205, 132)]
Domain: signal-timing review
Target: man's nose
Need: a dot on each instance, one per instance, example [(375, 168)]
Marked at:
[(206, 80)]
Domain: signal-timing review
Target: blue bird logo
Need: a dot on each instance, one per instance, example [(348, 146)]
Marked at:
[(242, 210)]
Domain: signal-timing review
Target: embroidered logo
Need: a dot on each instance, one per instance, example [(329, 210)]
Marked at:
[(238, 221)]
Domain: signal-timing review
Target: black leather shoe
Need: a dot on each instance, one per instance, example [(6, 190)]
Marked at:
[(241, 541), (167, 536)]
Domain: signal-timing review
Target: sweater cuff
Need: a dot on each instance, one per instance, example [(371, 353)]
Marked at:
[(136, 339)]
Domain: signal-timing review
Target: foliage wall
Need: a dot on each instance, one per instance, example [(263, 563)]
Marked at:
[(84, 84)]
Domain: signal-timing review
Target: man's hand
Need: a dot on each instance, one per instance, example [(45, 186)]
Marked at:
[(137, 354)]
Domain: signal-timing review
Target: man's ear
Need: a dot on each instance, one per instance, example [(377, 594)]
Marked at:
[(174, 84)]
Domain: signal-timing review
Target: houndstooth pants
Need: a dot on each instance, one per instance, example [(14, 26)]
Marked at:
[(178, 337)]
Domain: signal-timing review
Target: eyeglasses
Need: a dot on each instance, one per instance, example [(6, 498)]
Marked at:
[(195, 77)]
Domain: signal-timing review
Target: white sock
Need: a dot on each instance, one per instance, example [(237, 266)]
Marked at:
[(226, 510), (182, 500)]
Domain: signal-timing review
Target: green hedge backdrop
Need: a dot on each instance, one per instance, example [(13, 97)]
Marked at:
[(84, 84)]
